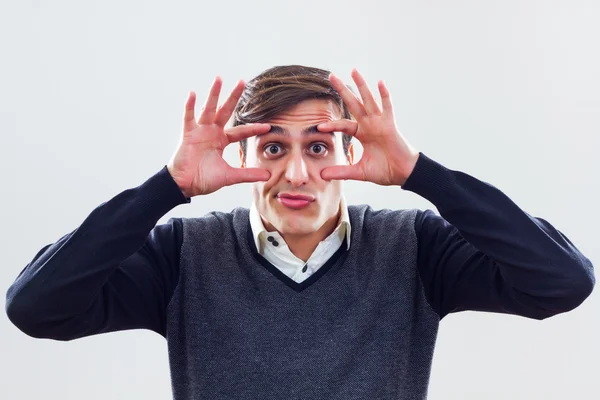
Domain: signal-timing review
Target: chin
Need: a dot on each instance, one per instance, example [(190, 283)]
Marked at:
[(296, 225)]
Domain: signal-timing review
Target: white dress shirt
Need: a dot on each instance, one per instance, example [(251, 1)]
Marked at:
[(272, 246)]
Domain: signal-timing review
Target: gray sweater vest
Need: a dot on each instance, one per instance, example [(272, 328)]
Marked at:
[(359, 328)]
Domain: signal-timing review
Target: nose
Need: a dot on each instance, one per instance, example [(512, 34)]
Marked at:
[(296, 172)]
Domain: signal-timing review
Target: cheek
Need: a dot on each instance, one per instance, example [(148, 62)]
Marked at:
[(259, 188), (334, 188), (263, 189), (318, 165), (262, 195), (329, 192)]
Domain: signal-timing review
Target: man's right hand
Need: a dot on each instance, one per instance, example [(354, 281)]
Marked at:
[(198, 166)]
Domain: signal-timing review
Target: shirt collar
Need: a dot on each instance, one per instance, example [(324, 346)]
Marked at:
[(259, 231)]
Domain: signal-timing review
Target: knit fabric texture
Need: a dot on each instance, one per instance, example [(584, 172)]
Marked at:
[(359, 328)]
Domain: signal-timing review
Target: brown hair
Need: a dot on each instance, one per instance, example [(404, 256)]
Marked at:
[(278, 89)]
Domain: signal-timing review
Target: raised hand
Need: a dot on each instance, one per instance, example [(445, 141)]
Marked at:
[(388, 159), (198, 166)]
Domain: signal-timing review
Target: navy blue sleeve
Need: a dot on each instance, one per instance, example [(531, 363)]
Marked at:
[(116, 271), (484, 253)]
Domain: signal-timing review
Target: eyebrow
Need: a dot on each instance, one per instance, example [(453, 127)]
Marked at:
[(278, 130)]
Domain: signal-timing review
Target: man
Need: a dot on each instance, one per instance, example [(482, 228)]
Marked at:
[(301, 296)]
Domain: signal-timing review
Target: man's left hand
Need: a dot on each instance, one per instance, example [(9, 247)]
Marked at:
[(387, 159)]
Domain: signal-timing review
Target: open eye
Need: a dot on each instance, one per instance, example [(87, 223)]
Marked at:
[(272, 149), (319, 149)]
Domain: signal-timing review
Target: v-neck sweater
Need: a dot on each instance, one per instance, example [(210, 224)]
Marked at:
[(273, 247)]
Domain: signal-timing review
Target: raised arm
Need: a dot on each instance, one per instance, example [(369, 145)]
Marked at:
[(118, 270), (484, 253), (115, 271)]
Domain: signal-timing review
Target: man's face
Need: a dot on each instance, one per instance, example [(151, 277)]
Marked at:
[(296, 200)]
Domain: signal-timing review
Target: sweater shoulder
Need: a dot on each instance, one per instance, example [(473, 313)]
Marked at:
[(215, 219), (216, 226), (384, 220)]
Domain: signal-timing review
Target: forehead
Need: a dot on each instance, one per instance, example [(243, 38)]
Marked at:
[(308, 112), (300, 122)]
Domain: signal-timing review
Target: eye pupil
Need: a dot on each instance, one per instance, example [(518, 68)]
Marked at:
[(316, 148)]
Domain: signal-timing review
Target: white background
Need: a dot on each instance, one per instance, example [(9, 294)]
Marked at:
[(92, 96)]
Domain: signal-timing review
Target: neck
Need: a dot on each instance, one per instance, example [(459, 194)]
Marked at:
[(302, 246)]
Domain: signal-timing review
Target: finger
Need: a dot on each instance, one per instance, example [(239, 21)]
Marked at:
[(245, 175), (224, 113), (354, 105), (240, 132), (342, 172), (386, 98), (189, 121), (210, 106), (368, 100), (340, 125)]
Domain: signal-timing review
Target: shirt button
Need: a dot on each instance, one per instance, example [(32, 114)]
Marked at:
[(270, 238), (305, 268), (275, 243)]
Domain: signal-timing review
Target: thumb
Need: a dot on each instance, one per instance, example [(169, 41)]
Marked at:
[(342, 172), (245, 175)]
